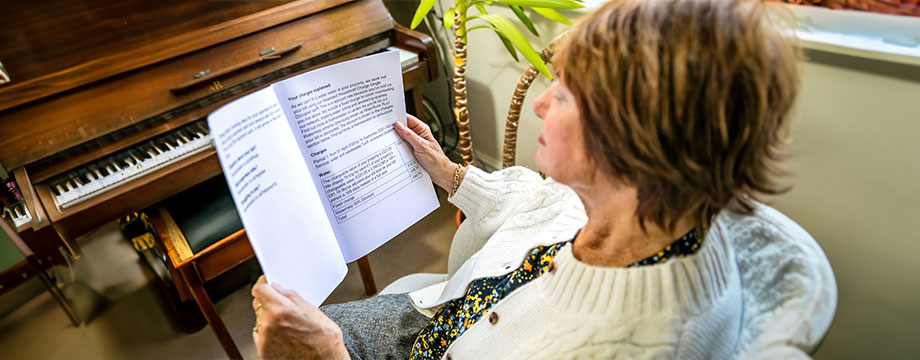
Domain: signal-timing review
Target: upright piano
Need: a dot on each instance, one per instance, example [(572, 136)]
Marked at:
[(102, 102)]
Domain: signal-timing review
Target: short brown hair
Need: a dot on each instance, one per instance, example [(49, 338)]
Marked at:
[(685, 99)]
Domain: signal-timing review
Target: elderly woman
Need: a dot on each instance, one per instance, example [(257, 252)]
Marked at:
[(666, 113)]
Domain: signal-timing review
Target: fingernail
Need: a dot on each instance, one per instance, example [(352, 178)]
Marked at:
[(277, 287)]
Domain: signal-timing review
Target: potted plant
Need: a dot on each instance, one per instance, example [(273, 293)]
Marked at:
[(459, 19)]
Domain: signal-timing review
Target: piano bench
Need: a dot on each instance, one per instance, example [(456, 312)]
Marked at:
[(201, 233)]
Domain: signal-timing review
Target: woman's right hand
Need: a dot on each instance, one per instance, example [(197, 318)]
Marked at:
[(427, 151)]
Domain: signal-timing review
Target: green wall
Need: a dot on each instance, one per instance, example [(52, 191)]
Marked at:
[(9, 254)]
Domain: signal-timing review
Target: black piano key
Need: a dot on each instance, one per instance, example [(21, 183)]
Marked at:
[(156, 147), (204, 128), (181, 133), (134, 155), (144, 152)]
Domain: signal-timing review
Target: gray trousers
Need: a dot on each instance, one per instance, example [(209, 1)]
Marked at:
[(381, 327)]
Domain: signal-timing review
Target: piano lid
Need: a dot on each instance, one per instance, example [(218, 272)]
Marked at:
[(51, 46)]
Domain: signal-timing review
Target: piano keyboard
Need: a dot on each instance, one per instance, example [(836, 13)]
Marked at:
[(406, 57), (19, 213), (90, 180)]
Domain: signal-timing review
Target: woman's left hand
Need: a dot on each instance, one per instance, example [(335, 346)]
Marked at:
[(289, 327)]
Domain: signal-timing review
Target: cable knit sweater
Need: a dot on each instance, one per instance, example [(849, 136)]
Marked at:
[(688, 308)]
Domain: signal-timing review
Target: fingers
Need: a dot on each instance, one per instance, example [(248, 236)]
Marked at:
[(298, 301), (419, 127), (266, 295), (414, 139), (292, 295), (260, 281)]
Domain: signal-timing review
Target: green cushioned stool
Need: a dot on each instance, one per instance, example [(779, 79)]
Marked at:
[(204, 214)]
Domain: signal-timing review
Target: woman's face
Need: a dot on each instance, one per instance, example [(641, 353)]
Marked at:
[(561, 145)]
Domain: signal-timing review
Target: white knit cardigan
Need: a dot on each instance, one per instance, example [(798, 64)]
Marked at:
[(686, 308)]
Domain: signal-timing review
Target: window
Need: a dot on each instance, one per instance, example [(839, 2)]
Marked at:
[(893, 7)]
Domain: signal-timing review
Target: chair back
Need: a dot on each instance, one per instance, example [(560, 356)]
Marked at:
[(788, 286)]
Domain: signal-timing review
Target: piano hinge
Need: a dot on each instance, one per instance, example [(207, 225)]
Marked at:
[(267, 51), (4, 76), (204, 72)]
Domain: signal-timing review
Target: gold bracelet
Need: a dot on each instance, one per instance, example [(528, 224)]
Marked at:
[(456, 179)]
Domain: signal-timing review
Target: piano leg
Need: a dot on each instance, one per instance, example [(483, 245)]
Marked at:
[(40, 269), (55, 291), (47, 246)]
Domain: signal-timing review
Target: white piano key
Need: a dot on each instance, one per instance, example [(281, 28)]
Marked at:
[(162, 152), (19, 214)]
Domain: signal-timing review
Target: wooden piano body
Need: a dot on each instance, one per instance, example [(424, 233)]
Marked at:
[(99, 89)]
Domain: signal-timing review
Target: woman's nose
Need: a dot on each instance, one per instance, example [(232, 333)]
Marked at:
[(541, 103)]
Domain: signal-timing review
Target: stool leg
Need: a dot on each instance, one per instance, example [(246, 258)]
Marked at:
[(193, 281), (366, 275)]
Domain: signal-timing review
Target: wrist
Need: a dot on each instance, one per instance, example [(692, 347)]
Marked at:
[(456, 178), (445, 176)]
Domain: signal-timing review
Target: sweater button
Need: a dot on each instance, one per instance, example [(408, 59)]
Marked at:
[(552, 267), (493, 318)]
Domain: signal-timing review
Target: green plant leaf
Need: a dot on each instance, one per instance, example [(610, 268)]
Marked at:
[(552, 4), (423, 8), (553, 15), (507, 44), (449, 18), (505, 27), (524, 19)]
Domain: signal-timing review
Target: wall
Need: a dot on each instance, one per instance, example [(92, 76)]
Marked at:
[(855, 175), (9, 253), (854, 168)]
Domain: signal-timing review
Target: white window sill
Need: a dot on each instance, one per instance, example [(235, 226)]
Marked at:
[(892, 38)]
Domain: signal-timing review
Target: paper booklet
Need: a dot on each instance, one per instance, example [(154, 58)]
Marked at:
[(317, 173)]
